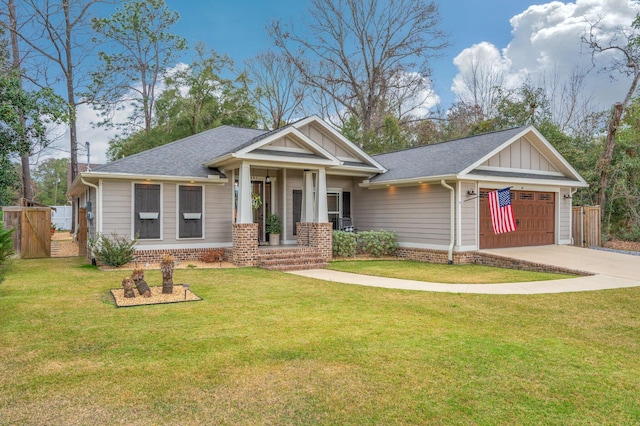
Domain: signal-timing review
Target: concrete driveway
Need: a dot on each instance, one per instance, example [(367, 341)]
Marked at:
[(611, 270)]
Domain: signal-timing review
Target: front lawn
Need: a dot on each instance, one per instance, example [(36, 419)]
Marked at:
[(273, 348), (439, 273)]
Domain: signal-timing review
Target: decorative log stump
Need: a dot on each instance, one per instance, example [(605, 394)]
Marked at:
[(138, 278), (127, 284), (166, 267)]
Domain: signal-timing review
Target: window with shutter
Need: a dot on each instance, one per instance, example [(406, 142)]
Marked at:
[(190, 212), (146, 211)]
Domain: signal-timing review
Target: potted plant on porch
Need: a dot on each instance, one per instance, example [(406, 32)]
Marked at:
[(274, 228)]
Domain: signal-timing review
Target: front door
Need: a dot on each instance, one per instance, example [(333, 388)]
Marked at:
[(259, 207)]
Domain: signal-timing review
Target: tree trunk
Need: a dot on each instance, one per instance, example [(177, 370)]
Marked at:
[(138, 278), (167, 283), (27, 190)]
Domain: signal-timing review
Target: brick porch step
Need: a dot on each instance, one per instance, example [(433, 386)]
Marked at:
[(290, 259)]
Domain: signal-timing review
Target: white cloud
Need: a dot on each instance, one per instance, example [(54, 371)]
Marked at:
[(546, 42)]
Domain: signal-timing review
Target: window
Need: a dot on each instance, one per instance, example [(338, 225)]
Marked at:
[(333, 208), (146, 211), (190, 214)]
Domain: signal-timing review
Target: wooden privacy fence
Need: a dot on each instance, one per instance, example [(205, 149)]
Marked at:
[(32, 230), (586, 226)]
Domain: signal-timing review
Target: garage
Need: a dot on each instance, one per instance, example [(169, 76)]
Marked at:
[(535, 220)]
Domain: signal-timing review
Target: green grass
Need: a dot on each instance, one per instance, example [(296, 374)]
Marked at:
[(272, 348), (438, 273)]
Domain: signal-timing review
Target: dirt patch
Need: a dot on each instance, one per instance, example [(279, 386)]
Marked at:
[(180, 294)]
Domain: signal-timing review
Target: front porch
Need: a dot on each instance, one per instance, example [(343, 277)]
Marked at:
[(313, 248)]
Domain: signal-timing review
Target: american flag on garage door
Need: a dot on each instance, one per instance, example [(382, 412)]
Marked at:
[(501, 210)]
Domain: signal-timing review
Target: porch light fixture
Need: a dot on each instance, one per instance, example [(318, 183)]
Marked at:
[(471, 192), (566, 196), (268, 178)]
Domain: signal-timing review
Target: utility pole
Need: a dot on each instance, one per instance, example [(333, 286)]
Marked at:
[(88, 145)]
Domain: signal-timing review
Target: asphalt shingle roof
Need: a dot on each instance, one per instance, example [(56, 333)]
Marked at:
[(441, 159), (185, 157)]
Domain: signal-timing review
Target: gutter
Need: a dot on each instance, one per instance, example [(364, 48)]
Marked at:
[(452, 224)]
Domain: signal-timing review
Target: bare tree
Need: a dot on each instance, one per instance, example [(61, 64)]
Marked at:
[(355, 48), (277, 87), (481, 82), (625, 61)]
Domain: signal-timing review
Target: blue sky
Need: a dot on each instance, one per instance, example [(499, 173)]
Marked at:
[(237, 28), (523, 40)]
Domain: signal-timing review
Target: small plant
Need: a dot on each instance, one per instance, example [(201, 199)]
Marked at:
[(6, 249), (212, 256), (53, 228), (115, 251), (191, 266), (344, 244), (274, 225)]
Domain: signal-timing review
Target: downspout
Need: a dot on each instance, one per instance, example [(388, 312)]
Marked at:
[(98, 197), (452, 226)]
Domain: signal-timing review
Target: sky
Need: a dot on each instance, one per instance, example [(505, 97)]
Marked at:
[(524, 39)]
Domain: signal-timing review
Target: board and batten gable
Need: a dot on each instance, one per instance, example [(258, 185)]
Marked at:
[(419, 215), (118, 214), (521, 154), (327, 142)]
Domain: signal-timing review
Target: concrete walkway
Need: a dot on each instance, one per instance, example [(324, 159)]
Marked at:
[(611, 270)]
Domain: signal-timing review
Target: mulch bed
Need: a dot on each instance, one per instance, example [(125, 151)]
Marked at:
[(622, 245), (180, 294)]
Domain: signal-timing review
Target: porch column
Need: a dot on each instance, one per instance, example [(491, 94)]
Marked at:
[(244, 194), (321, 211), (307, 214)]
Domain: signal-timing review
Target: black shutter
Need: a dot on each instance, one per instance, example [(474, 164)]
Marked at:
[(190, 201), (346, 204), (147, 200), (297, 208)]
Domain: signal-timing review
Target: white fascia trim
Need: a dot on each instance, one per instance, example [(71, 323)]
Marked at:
[(528, 182), (406, 182), (267, 158), (315, 119), (141, 247), (157, 178), (513, 170)]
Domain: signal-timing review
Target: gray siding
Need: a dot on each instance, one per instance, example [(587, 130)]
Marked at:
[(116, 207), (117, 213), (468, 215), (564, 214), (420, 215)]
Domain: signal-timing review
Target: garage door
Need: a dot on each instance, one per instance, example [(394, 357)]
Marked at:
[(535, 220)]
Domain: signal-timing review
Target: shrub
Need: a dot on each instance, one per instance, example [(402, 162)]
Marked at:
[(6, 249), (377, 243), (115, 251), (212, 256), (273, 225), (344, 244)]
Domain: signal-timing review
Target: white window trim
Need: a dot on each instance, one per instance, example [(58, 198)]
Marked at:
[(178, 213), (133, 210)]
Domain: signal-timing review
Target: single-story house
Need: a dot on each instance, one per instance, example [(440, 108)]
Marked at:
[(200, 192)]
